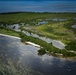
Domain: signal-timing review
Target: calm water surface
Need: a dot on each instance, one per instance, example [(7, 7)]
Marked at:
[(17, 58)]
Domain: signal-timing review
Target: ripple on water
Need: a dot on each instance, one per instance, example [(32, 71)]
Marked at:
[(24, 58)]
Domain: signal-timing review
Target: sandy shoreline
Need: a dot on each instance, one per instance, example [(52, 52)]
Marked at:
[(10, 36), (36, 45), (57, 44), (20, 38)]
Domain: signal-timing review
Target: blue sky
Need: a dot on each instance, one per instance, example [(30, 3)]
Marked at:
[(37, 0), (37, 6)]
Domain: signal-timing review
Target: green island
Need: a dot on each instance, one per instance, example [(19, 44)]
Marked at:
[(56, 26)]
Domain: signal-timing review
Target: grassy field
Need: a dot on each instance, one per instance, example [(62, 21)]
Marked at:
[(10, 18)]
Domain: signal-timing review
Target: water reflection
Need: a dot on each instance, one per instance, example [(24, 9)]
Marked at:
[(74, 26), (20, 59), (55, 43), (59, 19), (43, 22)]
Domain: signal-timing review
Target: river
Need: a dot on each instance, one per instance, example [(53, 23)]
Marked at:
[(17, 58)]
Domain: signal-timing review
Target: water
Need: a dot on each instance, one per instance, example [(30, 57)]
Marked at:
[(74, 18), (43, 22), (14, 27), (17, 58), (60, 19), (74, 26), (54, 19)]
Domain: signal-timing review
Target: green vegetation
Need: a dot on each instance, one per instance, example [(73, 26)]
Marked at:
[(45, 46), (71, 46), (41, 51), (27, 17), (58, 30), (7, 31)]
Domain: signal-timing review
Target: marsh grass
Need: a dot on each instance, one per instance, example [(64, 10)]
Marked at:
[(54, 29)]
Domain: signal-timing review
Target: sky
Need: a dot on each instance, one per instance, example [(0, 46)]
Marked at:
[(37, 0), (37, 6)]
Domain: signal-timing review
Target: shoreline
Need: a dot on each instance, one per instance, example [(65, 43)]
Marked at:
[(9, 36), (33, 44)]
